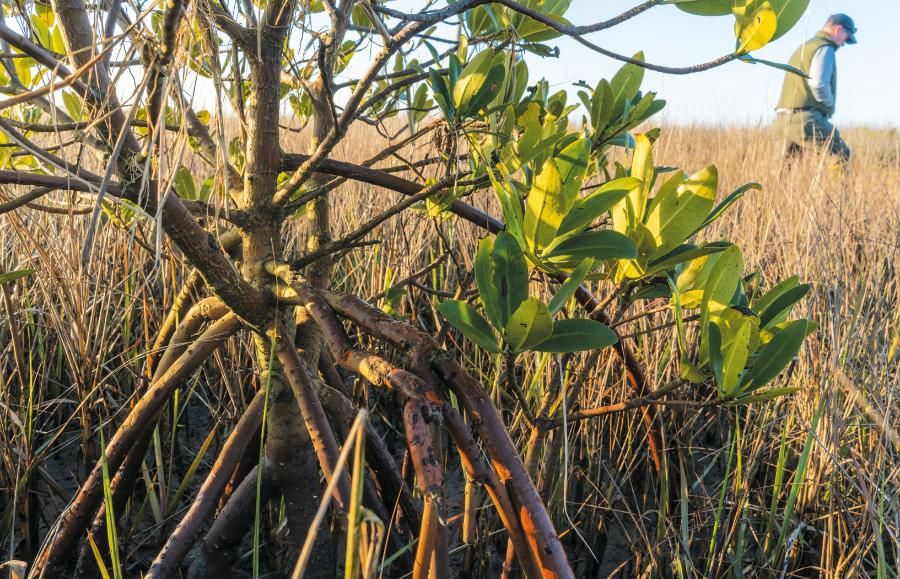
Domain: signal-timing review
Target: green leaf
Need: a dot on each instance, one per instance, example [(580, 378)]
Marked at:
[(626, 83), (600, 245), (602, 106), (184, 184), (570, 286), (584, 211), (683, 253), (735, 357), (572, 163), (74, 105), (723, 279), (716, 360), (787, 14), (776, 355), (704, 7), (489, 91), (530, 324), (529, 143), (577, 335), (14, 275), (41, 30), (488, 293), (726, 203), (678, 211), (762, 302), (690, 372), (777, 65), (464, 318), (779, 308), (534, 31), (510, 205), (720, 286), (510, 276), (441, 94), (472, 79), (545, 207)]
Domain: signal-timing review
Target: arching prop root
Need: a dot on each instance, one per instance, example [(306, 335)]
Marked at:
[(73, 521)]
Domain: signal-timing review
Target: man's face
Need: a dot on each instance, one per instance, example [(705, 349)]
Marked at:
[(840, 35)]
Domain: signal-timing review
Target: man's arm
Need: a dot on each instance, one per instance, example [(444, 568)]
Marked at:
[(821, 71)]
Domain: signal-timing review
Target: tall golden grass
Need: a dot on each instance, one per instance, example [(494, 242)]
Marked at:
[(802, 486)]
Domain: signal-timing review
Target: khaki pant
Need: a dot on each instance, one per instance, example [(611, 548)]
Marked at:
[(801, 129)]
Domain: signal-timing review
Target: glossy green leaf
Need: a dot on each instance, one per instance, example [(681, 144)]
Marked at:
[(704, 7), (488, 292), (529, 143), (489, 91), (684, 253), (572, 162), (41, 30), (626, 83), (570, 286), (510, 276), (735, 353), (779, 308), (533, 31), (587, 209), (767, 298), (600, 245), (577, 335), (776, 355), (529, 325), (716, 359), (472, 78), (726, 203), (464, 318), (74, 105), (184, 184), (720, 286), (772, 64), (787, 14), (602, 106), (723, 279), (441, 94)]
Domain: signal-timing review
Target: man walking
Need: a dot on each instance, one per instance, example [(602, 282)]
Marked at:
[(807, 104)]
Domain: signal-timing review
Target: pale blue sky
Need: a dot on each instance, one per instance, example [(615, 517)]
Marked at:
[(738, 93)]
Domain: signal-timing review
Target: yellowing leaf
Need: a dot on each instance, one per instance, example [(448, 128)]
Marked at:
[(545, 206), (757, 29), (630, 211), (678, 210), (529, 325)]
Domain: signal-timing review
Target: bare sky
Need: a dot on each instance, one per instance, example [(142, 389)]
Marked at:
[(738, 93)]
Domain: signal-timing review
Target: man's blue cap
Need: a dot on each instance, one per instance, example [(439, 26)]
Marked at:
[(847, 23)]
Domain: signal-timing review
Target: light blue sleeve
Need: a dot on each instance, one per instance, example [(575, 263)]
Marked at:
[(821, 71)]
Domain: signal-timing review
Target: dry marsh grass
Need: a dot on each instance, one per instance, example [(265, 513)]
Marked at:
[(805, 486)]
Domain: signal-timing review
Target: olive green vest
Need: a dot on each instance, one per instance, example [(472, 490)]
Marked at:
[(795, 92)]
